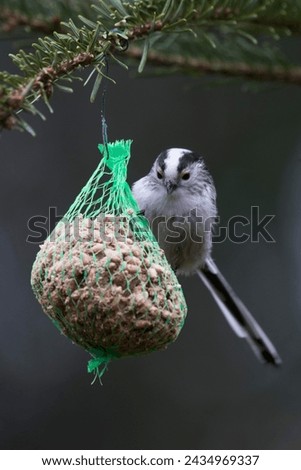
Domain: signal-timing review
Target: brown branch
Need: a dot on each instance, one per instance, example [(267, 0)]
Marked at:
[(142, 30), (257, 72), (12, 19), (43, 83), (262, 21)]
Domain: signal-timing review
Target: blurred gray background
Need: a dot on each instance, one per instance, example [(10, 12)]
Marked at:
[(207, 390)]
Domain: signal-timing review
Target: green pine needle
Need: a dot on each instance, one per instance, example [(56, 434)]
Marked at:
[(227, 37)]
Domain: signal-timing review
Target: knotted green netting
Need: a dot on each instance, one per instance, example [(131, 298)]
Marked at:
[(101, 276)]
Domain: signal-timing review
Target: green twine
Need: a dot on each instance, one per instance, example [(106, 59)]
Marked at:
[(99, 362)]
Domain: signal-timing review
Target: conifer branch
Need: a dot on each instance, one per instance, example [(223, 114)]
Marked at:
[(201, 66), (232, 38), (11, 19)]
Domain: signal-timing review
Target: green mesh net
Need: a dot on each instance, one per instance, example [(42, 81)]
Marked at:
[(102, 278)]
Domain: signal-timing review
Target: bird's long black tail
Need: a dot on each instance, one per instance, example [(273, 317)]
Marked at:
[(237, 314)]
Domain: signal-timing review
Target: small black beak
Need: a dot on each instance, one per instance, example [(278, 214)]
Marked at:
[(170, 187)]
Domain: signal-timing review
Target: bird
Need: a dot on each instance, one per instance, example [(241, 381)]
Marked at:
[(178, 198)]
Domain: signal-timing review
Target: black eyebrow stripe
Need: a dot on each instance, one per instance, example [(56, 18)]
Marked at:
[(161, 159), (187, 159)]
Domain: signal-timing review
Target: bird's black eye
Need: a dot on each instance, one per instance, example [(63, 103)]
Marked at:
[(186, 176), (159, 175)]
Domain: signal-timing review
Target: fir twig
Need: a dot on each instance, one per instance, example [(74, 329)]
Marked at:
[(201, 66), (200, 37), (11, 19)]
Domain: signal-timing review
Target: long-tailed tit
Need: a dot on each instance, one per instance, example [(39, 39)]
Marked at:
[(178, 198)]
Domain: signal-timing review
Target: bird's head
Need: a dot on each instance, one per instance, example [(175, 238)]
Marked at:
[(178, 170)]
